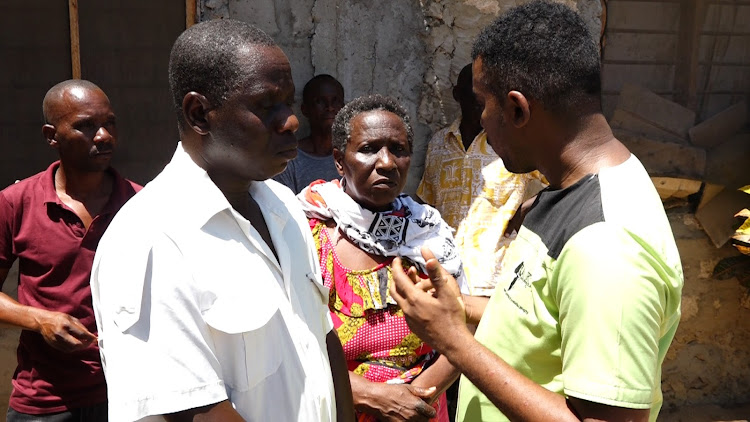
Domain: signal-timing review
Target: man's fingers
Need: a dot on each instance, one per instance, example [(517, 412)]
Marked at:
[(424, 285), (66, 343), (425, 409), (80, 332), (436, 272), (422, 393), (400, 282), (412, 273)]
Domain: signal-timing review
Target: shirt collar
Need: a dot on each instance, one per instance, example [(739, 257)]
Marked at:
[(454, 129), (208, 200), (188, 182), (122, 190), (47, 182)]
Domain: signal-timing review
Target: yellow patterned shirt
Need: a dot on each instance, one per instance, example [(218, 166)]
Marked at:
[(477, 196)]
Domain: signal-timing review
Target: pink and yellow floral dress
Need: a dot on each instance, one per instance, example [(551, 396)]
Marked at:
[(377, 342)]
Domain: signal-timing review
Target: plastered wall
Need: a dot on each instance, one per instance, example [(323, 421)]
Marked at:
[(409, 49)]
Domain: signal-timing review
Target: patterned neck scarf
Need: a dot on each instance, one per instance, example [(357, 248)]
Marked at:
[(402, 231)]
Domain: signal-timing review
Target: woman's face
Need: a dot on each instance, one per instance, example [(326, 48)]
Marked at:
[(376, 159)]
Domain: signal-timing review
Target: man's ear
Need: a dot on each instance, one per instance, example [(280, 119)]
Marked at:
[(456, 94), (49, 132), (517, 109), (195, 109), (338, 158), (304, 109)]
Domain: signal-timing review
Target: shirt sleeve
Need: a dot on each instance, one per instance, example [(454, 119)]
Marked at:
[(613, 302), (431, 175), (6, 234), (156, 348)]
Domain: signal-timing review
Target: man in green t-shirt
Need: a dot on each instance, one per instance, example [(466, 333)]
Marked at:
[(588, 300)]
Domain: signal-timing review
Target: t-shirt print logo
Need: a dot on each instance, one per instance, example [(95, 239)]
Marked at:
[(519, 274), (524, 276)]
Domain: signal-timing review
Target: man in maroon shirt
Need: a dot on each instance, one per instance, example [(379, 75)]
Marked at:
[(52, 223)]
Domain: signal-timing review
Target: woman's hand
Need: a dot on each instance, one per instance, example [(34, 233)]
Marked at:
[(392, 402)]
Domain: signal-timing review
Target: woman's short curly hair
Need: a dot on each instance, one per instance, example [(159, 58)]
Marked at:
[(342, 127)]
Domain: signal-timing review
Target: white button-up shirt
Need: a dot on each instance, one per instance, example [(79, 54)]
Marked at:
[(193, 308)]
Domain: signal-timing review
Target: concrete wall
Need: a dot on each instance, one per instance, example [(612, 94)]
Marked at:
[(411, 50)]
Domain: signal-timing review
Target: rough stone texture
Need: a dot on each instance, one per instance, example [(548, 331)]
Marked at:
[(411, 50)]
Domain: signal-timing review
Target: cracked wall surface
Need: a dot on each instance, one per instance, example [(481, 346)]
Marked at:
[(411, 50)]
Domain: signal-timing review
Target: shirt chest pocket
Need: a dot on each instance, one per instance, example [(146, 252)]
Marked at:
[(247, 352)]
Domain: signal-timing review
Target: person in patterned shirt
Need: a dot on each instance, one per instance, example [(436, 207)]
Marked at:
[(474, 192)]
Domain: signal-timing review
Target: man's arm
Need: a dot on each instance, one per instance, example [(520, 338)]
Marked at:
[(344, 401), (475, 306), (60, 330), (439, 320), (440, 375)]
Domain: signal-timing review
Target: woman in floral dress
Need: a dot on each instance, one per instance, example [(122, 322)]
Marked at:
[(360, 224)]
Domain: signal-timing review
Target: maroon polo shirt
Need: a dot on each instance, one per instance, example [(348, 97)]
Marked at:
[(55, 254)]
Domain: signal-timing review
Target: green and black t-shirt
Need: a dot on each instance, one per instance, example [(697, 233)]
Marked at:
[(588, 299)]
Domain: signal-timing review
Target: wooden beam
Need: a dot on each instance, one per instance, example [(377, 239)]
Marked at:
[(75, 46), (692, 16), (190, 13)]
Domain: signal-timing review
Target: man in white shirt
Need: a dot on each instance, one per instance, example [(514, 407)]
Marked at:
[(206, 289)]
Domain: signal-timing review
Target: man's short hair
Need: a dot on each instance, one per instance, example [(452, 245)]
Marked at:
[(306, 91), (57, 92), (205, 59), (342, 127), (545, 51)]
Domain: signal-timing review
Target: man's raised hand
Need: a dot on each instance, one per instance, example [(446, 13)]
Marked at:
[(438, 318)]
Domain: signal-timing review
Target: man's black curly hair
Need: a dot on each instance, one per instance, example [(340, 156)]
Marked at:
[(205, 59), (342, 127), (545, 51)]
